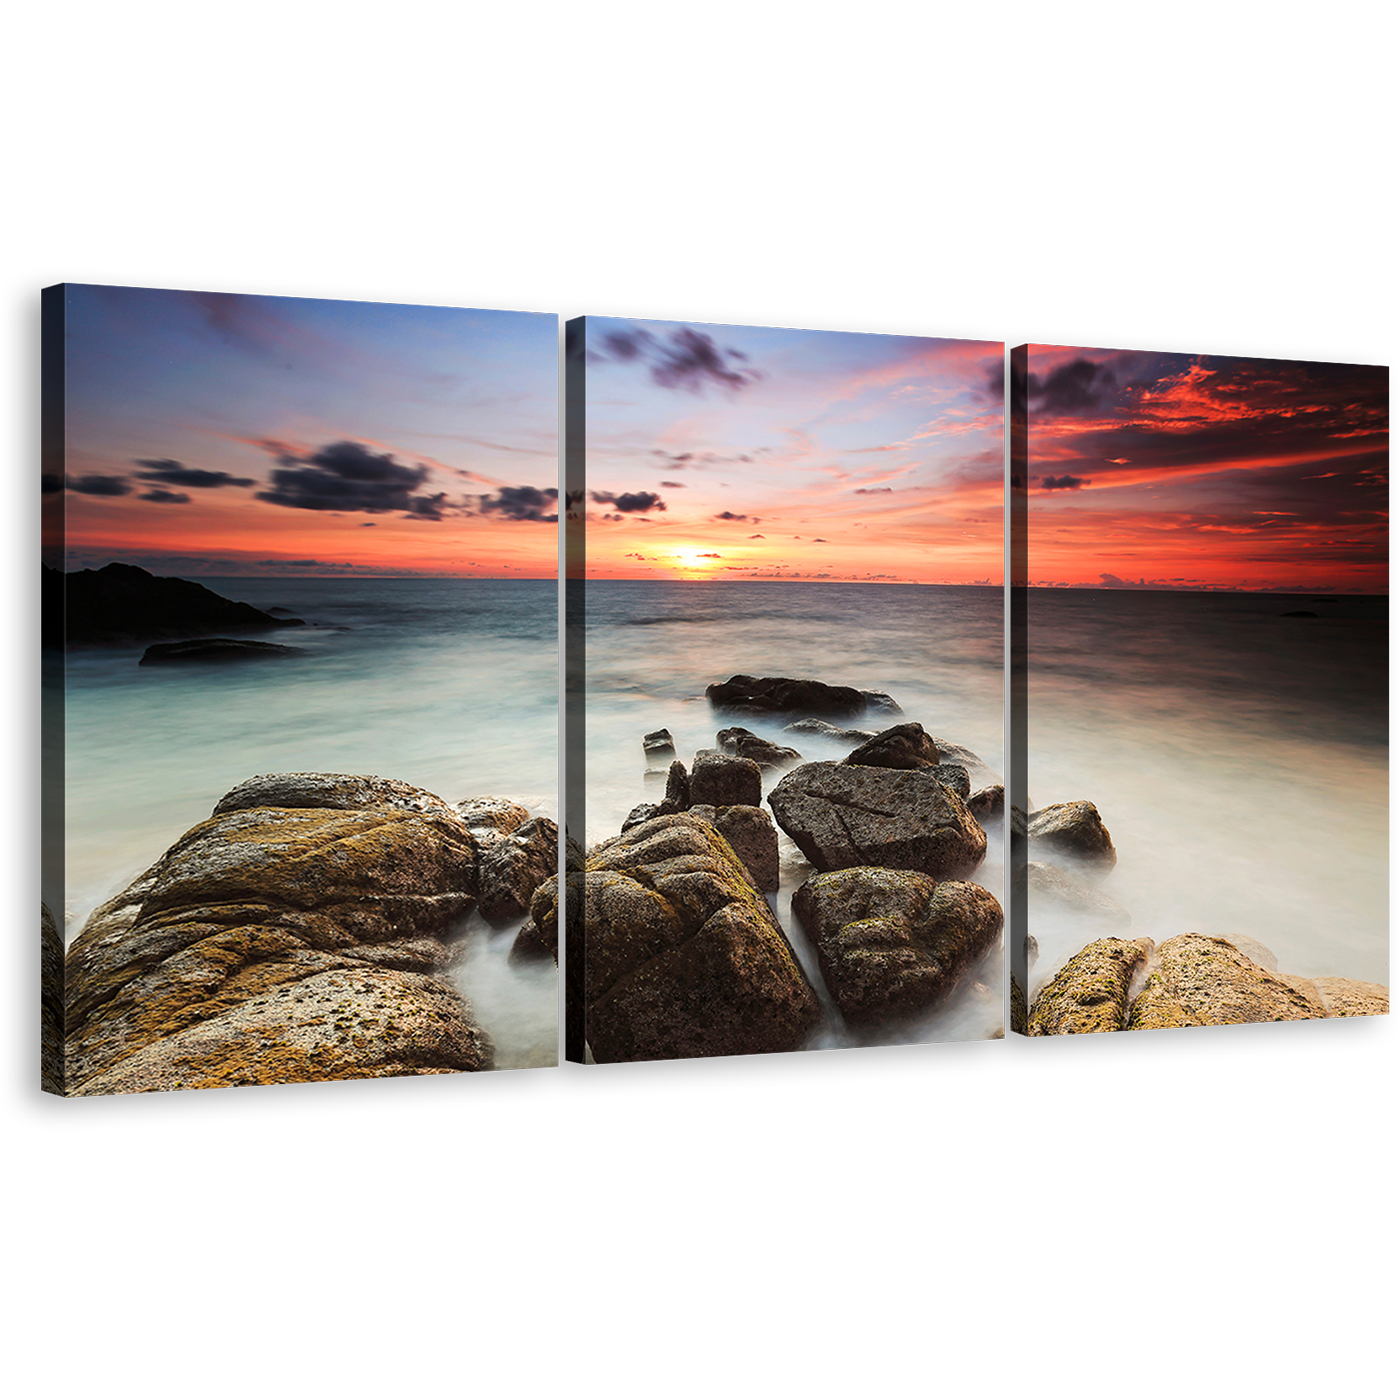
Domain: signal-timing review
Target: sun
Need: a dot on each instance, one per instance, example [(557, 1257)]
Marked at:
[(692, 561)]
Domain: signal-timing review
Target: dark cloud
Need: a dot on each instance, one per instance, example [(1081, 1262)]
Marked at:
[(1072, 387), (709, 556), (1063, 483), (428, 507), (688, 359), (755, 537), (874, 490), (674, 485), (169, 472), (523, 503), (165, 498), (630, 502), (729, 515), (820, 541), (343, 476), (100, 485)]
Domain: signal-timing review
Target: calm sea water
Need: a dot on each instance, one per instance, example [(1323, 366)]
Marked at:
[(450, 684), (1238, 757), (652, 648)]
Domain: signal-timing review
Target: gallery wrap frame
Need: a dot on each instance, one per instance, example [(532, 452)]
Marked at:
[(709, 1085)]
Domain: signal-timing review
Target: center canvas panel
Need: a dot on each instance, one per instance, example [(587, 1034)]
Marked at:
[(784, 672)]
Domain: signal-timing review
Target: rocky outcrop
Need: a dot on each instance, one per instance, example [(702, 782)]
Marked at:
[(685, 958), (213, 649), (988, 805), (487, 818), (721, 780), (1072, 832), (121, 603), (878, 703), (843, 816), (1090, 992), (782, 695), (1200, 981), (51, 1076), (751, 836), (892, 944), (980, 774), (902, 746), (295, 935)]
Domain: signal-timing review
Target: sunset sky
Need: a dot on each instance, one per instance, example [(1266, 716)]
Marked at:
[(219, 434), (739, 452), (1201, 471)]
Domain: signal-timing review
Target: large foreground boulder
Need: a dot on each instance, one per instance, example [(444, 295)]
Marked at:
[(1090, 992), (1200, 981), (275, 943), (843, 816), (684, 956), (752, 837), (892, 944)]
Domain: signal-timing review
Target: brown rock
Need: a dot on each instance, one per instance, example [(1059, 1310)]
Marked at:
[(1346, 997), (1090, 992), (512, 869), (901, 746), (721, 780), (892, 944), (1073, 832), (753, 838), (1200, 981), (685, 958), (743, 743)]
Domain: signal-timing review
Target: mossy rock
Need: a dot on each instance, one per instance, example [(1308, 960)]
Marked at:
[(1090, 992)]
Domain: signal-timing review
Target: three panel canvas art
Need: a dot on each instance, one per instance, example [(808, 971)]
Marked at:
[(302, 665)]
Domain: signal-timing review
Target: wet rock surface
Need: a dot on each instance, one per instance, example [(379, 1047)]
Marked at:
[(685, 957), (893, 944), (844, 815), (282, 940), (784, 695)]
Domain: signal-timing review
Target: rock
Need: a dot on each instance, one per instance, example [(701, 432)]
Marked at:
[(349, 792), (642, 812), (878, 703), (953, 777), (720, 780), (1201, 981), (1090, 992), (843, 816), (213, 649), (531, 945), (1072, 831), (903, 746), (489, 819), (745, 744), (514, 868), (685, 958), (752, 837), (779, 695), (1255, 951), (1018, 1008), (539, 935), (51, 1077), (658, 745), (1345, 997), (655, 777), (988, 805), (892, 944), (121, 603), (1055, 894), (279, 943), (677, 797), (829, 731)]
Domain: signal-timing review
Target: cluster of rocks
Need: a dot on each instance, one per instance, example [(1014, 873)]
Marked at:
[(683, 955), (305, 931), (1117, 983)]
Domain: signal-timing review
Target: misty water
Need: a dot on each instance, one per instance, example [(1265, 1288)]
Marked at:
[(652, 648), (449, 684), (1237, 756)]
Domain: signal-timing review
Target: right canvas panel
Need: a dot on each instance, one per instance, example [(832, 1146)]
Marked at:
[(1198, 682)]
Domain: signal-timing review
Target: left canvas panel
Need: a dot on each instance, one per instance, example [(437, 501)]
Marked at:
[(300, 689)]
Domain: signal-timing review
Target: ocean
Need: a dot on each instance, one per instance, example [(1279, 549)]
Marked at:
[(1237, 756), (449, 684), (652, 648)]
